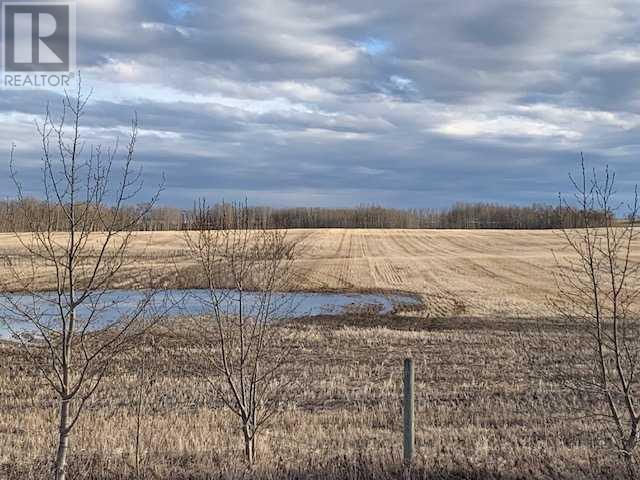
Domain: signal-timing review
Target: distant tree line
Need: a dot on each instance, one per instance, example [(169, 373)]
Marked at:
[(459, 216)]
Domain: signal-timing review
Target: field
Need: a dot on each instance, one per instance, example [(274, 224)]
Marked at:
[(479, 273), (480, 414)]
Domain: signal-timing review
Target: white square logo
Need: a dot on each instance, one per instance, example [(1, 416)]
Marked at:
[(39, 44)]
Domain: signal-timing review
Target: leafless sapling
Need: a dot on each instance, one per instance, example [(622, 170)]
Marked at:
[(597, 346), (246, 271), (73, 337)]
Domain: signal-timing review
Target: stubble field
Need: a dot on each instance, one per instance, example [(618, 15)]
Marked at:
[(480, 273), (480, 414)]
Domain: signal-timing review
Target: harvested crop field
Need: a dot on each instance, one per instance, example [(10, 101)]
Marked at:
[(479, 414), (454, 272), (480, 411)]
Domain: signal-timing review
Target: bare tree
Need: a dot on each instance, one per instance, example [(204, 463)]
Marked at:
[(245, 271), (596, 349), (76, 330), (142, 391)]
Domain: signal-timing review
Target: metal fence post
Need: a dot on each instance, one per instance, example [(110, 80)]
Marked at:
[(408, 410)]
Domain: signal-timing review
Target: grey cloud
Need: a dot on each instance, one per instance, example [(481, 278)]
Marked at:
[(479, 101)]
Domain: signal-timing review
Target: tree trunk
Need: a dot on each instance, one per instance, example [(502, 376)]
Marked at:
[(629, 464), (63, 442), (249, 444)]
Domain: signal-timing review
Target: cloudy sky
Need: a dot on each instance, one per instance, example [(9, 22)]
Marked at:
[(401, 103)]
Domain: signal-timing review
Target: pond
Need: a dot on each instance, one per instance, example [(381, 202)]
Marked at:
[(114, 304)]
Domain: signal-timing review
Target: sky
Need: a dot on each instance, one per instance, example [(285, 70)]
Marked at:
[(402, 103)]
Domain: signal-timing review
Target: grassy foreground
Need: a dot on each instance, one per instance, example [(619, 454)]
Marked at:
[(479, 413)]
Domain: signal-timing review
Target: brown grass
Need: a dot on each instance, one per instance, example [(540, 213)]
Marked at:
[(489, 273), (479, 414)]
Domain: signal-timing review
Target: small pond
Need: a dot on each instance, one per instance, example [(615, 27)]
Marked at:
[(115, 303)]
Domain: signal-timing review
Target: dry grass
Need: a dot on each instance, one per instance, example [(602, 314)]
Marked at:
[(486, 273), (479, 414)]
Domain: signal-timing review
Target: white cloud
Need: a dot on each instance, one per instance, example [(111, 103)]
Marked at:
[(420, 92)]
